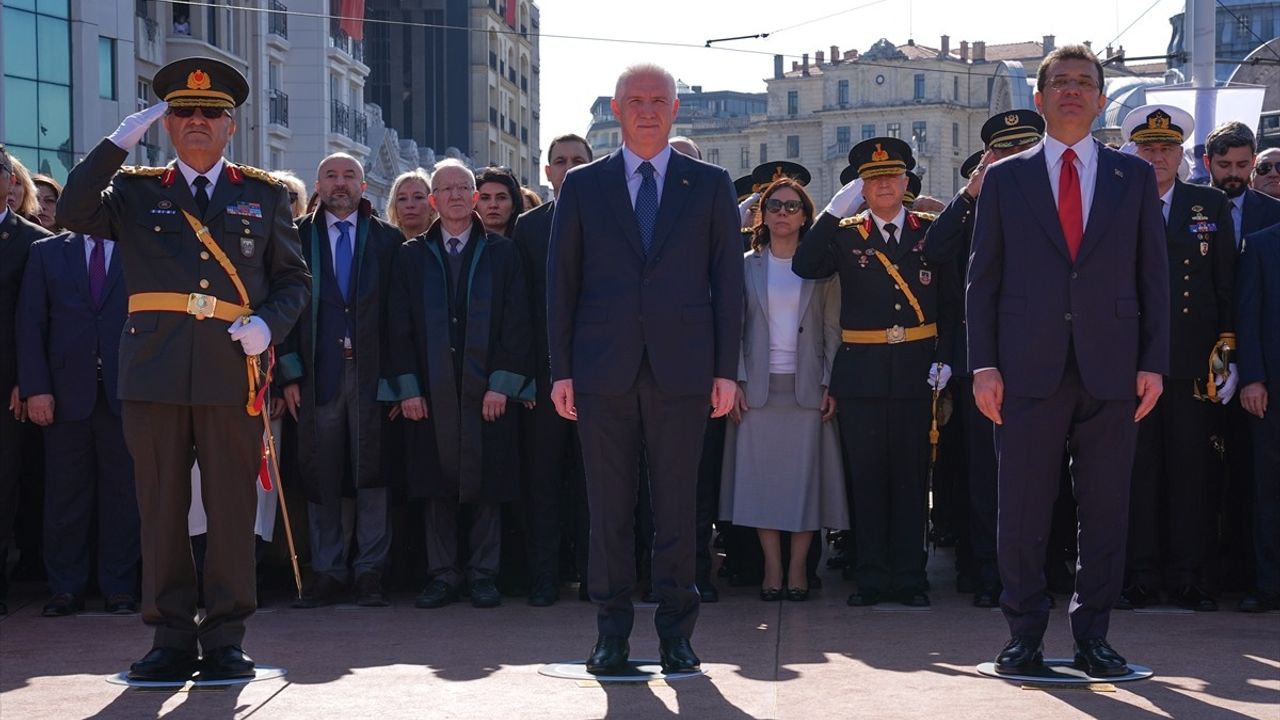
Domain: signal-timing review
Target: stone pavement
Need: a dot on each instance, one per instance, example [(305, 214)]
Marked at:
[(818, 659)]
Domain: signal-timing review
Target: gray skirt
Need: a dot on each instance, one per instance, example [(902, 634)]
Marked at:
[(782, 467)]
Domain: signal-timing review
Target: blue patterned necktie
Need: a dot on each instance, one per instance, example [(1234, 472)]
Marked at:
[(647, 205), (342, 258)]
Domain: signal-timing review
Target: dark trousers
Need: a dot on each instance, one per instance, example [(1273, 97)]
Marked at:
[(1029, 447), (337, 434), (888, 441), (1172, 492), (228, 445), (484, 540), (1266, 496), (612, 428), (10, 484), (980, 451), (1235, 559), (88, 469), (554, 462), (709, 469)]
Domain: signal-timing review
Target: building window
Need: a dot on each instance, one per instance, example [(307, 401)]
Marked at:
[(793, 102), (745, 161), (868, 131), (919, 86), (793, 146), (842, 137), (955, 87), (764, 153), (842, 90), (991, 81), (106, 68), (919, 133), (955, 134), (37, 103), (713, 156), (893, 130)]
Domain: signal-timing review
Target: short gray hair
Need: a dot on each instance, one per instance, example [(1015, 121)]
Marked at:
[(643, 69), (454, 163)]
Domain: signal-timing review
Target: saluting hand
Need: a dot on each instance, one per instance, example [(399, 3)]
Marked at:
[(1150, 385), (974, 186), (846, 200), (129, 134)]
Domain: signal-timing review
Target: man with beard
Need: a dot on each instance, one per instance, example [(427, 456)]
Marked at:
[(1229, 156), (330, 371)]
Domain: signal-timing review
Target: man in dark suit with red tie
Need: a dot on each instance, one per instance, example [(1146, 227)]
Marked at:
[(644, 315), (1068, 322)]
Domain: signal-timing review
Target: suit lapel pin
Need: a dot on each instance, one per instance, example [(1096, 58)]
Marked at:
[(4, 235), (684, 181), (1119, 173)]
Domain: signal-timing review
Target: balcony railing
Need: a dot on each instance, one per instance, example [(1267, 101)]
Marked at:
[(278, 110), (278, 20), (340, 119), (339, 39), (360, 127), (839, 150)]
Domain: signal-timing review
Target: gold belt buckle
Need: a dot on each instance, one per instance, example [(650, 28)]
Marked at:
[(201, 305), (895, 334)]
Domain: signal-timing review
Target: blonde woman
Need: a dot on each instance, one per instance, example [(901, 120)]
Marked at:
[(408, 207)]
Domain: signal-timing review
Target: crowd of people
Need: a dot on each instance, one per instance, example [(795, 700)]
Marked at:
[(428, 419)]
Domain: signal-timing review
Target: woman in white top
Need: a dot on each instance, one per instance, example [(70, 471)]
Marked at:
[(782, 467)]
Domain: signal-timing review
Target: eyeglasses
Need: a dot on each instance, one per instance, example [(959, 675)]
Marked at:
[(1085, 85), (452, 190), (208, 112), (775, 205), (1265, 168)]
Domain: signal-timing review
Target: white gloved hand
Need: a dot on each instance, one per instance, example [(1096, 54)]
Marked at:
[(744, 209), (129, 134), (252, 333), (847, 200), (1227, 385), (938, 378)]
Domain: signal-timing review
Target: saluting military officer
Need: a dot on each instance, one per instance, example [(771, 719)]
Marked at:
[(1171, 495), (215, 274), (897, 314)]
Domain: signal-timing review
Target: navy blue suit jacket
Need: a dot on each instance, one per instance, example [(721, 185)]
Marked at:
[(608, 304), (1028, 303), (1258, 212), (61, 334), (1258, 309)]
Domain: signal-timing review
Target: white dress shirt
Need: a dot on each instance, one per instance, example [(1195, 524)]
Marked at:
[(631, 165), (1086, 168), (190, 174), (331, 221), (1166, 201), (108, 246), (898, 221), (462, 238)]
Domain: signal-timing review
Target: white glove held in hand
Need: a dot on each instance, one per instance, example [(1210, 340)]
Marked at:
[(1227, 386), (744, 209), (847, 199), (129, 134), (938, 378), (252, 333)]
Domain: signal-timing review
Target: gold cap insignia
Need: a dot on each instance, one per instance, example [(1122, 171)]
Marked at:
[(1011, 119), (1158, 120), (1197, 208), (879, 155), (199, 80)]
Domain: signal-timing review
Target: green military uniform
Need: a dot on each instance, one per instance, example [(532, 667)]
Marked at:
[(184, 383)]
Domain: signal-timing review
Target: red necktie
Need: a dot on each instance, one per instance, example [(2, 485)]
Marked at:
[(1070, 209)]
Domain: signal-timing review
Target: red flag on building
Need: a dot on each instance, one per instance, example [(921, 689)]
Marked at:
[(352, 22), (511, 14)]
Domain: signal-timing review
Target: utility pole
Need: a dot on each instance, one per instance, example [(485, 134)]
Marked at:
[(1201, 23)]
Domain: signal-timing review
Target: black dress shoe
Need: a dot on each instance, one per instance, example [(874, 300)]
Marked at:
[(796, 594), (484, 594), (62, 605), (322, 590), (544, 594), (650, 597), (1191, 597), (609, 656), (225, 663), (986, 599), (1022, 655), (1136, 597), (165, 664), (677, 656), (771, 594), (864, 598), (911, 598), (1095, 657), (438, 594), (708, 592), (369, 591), (1256, 602), (123, 604)]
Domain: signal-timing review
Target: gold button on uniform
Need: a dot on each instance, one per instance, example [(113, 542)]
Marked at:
[(204, 255), (157, 228), (1186, 311), (1186, 262), (1186, 278), (204, 284), (246, 231), (1186, 293)]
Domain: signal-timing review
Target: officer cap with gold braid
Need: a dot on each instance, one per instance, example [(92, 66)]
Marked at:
[(1014, 128), (970, 164), (881, 156), (1157, 123), (200, 82), (913, 189), (765, 174)]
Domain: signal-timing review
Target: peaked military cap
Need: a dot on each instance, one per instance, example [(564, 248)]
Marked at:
[(970, 164), (913, 189), (1157, 123), (881, 156), (200, 82), (1015, 128)]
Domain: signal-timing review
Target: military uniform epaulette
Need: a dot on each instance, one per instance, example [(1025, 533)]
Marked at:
[(855, 220), (258, 174), (142, 170), (925, 215)]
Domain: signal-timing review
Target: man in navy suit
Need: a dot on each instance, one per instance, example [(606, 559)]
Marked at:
[(70, 313), (644, 317), (1068, 321)]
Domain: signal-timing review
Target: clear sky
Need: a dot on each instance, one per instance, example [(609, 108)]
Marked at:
[(575, 72)]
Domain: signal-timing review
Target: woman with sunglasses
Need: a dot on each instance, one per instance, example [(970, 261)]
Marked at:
[(782, 467)]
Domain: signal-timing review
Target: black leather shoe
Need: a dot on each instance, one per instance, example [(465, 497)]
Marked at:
[(708, 592), (914, 599), (1095, 657), (225, 663), (123, 604), (544, 594), (369, 591), (1136, 597), (484, 594), (650, 597), (321, 591), (771, 594), (1021, 656), (609, 656), (165, 664), (62, 605), (864, 598), (438, 594), (1259, 602), (1191, 597), (677, 656), (796, 594), (986, 599)]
